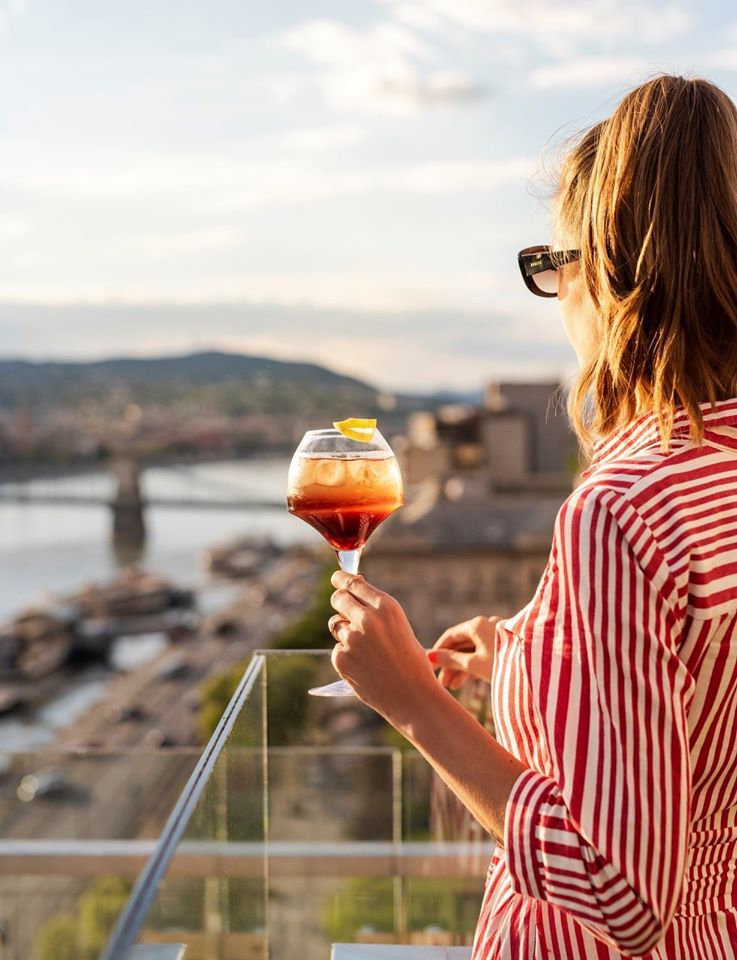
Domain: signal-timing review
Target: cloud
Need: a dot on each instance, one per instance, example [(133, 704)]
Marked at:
[(556, 27), (588, 71), (319, 139), (14, 228), (725, 56), (334, 44), (212, 183), (385, 68), (725, 59), (11, 10), (388, 291), (414, 350), (202, 240), (399, 64), (456, 177), (443, 86), (288, 184)]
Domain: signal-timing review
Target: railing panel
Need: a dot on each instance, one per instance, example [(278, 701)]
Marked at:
[(76, 829), (185, 895), (307, 822)]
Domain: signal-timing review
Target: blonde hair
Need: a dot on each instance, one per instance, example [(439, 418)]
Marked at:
[(650, 198)]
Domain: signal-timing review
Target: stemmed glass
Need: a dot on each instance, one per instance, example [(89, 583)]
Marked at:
[(344, 488)]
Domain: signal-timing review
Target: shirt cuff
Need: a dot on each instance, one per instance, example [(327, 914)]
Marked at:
[(529, 791)]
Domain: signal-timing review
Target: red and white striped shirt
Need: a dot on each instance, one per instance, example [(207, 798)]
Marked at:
[(617, 687)]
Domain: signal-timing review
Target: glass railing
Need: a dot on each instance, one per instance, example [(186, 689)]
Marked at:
[(76, 829), (305, 822), (205, 882)]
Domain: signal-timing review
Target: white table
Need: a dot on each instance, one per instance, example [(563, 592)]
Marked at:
[(375, 951), (158, 951)]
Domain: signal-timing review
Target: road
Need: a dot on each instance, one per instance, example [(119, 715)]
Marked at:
[(122, 785)]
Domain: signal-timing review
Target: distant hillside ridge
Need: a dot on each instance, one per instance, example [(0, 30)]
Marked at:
[(206, 367), (229, 382)]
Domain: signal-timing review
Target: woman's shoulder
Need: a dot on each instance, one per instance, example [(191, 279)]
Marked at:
[(599, 510), (655, 509), (632, 501), (592, 496)]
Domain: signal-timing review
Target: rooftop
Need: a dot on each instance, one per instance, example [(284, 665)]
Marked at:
[(506, 521)]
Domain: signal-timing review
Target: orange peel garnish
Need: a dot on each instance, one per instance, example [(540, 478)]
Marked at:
[(356, 428)]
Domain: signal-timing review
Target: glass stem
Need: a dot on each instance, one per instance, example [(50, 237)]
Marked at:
[(349, 559)]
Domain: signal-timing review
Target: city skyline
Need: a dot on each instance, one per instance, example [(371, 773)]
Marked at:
[(348, 185)]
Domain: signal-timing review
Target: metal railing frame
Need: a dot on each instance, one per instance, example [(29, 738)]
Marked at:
[(134, 913)]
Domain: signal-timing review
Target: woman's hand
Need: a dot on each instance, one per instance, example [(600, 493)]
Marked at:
[(377, 653), (376, 650), (465, 650)]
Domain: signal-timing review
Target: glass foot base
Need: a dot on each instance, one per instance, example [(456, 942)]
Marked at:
[(338, 689)]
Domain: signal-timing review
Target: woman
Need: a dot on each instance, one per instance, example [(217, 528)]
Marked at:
[(611, 788)]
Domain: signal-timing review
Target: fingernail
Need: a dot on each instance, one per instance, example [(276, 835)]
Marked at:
[(432, 656)]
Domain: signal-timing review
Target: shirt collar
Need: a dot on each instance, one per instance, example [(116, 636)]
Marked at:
[(643, 432)]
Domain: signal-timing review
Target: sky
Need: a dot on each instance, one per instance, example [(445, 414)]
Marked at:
[(346, 182)]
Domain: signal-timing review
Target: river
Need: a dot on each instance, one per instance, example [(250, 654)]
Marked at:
[(52, 549), (49, 550)]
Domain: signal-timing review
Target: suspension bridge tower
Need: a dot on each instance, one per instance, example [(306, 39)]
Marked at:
[(129, 527)]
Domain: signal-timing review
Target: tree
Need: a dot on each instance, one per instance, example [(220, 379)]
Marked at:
[(97, 911), (57, 939), (83, 934), (289, 678)]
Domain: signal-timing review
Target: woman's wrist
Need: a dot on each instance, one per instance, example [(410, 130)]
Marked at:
[(420, 713), (464, 754)]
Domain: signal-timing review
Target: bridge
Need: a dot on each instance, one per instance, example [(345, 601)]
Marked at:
[(122, 493), (20, 493)]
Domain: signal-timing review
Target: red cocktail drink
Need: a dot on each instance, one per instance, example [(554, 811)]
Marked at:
[(345, 498), (344, 482)]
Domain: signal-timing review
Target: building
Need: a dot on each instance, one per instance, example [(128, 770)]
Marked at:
[(484, 486), (464, 558)]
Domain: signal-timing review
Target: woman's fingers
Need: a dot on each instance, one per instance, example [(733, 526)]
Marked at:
[(357, 587), (455, 638), (453, 667), (337, 625), (347, 605), (457, 665), (447, 658), (448, 677)]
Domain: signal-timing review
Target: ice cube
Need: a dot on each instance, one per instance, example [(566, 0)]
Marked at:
[(330, 473), (367, 473)]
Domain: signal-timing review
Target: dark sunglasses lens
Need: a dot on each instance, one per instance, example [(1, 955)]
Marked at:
[(546, 281)]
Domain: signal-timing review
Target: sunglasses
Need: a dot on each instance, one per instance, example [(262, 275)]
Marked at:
[(539, 268)]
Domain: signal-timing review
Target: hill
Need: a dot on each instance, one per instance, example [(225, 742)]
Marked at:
[(227, 382)]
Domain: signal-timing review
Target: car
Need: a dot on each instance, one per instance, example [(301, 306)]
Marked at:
[(192, 699), (156, 738), (173, 670), (42, 783), (122, 713)]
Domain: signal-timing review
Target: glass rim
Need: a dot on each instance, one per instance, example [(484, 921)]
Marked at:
[(333, 432)]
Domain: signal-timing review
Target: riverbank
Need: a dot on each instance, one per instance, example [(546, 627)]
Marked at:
[(52, 549), (19, 471), (48, 551), (156, 704), (145, 693)]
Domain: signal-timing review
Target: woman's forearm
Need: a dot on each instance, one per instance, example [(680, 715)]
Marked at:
[(465, 755), (379, 655)]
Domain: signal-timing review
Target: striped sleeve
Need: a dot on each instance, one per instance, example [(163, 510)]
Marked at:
[(605, 838)]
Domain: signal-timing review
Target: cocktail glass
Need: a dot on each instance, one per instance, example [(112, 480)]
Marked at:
[(344, 488)]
